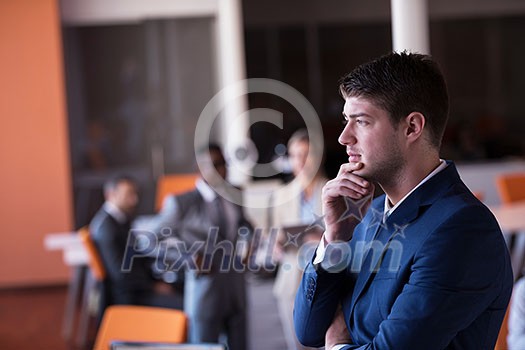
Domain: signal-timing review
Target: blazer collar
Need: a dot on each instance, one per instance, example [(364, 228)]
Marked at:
[(425, 195), (118, 215), (205, 190)]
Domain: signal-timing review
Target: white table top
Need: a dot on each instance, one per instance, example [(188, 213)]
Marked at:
[(74, 253)]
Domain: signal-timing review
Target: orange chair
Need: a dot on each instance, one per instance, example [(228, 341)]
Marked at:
[(511, 187), (173, 184), (95, 262), (95, 293), (141, 323), (501, 343)]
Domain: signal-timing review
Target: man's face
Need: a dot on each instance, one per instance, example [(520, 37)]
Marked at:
[(124, 196), (371, 139), (215, 164), (219, 163), (298, 154)]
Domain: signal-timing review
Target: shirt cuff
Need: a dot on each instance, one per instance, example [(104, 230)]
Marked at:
[(320, 252), (331, 257), (339, 346)]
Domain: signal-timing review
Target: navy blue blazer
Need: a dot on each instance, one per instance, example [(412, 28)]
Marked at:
[(435, 275)]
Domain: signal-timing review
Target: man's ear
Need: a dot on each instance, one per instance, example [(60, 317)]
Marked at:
[(414, 126)]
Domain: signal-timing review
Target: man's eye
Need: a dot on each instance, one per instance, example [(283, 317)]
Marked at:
[(361, 122), (345, 121)]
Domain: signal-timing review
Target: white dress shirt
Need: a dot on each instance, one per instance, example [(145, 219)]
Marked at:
[(205, 190), (209, 195), (115, 212)]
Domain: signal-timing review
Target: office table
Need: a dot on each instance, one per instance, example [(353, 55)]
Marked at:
[(511, 217), (76, 257)]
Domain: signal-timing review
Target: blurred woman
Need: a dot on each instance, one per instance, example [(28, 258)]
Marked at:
[(297, 206)]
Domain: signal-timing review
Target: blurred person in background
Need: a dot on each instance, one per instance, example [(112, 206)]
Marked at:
[(110, 230), (516, 335), (214, 291), (301, 210)]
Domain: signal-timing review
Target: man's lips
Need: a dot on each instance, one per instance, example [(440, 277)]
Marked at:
[(353, 157)]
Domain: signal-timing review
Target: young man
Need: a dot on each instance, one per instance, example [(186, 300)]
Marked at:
[(426, 267)]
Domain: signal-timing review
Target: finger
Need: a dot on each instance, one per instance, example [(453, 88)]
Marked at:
[(348, 183), (342, 191), (335, 191), (354, 178), (345, 177), (360, 187), (349, 167)]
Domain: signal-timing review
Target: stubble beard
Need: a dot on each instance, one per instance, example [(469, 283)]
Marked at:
[(387, 170)]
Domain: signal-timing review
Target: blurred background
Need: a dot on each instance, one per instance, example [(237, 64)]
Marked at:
[(135, 88), (89, 89)]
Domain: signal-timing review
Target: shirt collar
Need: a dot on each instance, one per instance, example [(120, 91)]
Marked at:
[(205, 190), (389, 209), (115, 212)]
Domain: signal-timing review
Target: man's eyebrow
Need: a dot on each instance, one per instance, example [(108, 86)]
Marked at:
[(355, 115)]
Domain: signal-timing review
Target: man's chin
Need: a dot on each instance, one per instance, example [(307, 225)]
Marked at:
[(130, 213), (363, 173)]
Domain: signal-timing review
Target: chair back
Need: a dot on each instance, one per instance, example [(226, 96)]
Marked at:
[(141, 323), (95, 262), (501, 343), (173, 184), (511, 187)]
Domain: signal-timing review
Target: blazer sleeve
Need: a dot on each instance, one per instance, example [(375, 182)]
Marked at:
[(316, 301), (167, 218), (110, 248), (461, 271), (245, 222)]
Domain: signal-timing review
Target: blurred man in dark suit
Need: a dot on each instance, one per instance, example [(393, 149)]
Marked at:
[(215, 288), (110, 229)]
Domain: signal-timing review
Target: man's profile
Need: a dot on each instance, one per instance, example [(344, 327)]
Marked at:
[(451, 283)]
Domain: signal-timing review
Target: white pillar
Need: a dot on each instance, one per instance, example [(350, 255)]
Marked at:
[(232, 69), (410, 26)]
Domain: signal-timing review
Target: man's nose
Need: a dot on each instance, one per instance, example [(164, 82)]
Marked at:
[(347, 137)]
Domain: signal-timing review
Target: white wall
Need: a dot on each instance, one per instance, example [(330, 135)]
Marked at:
[(264, 11), (90, 12)]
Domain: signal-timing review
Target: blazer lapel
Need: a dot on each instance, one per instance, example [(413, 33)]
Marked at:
[(407, 212)]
